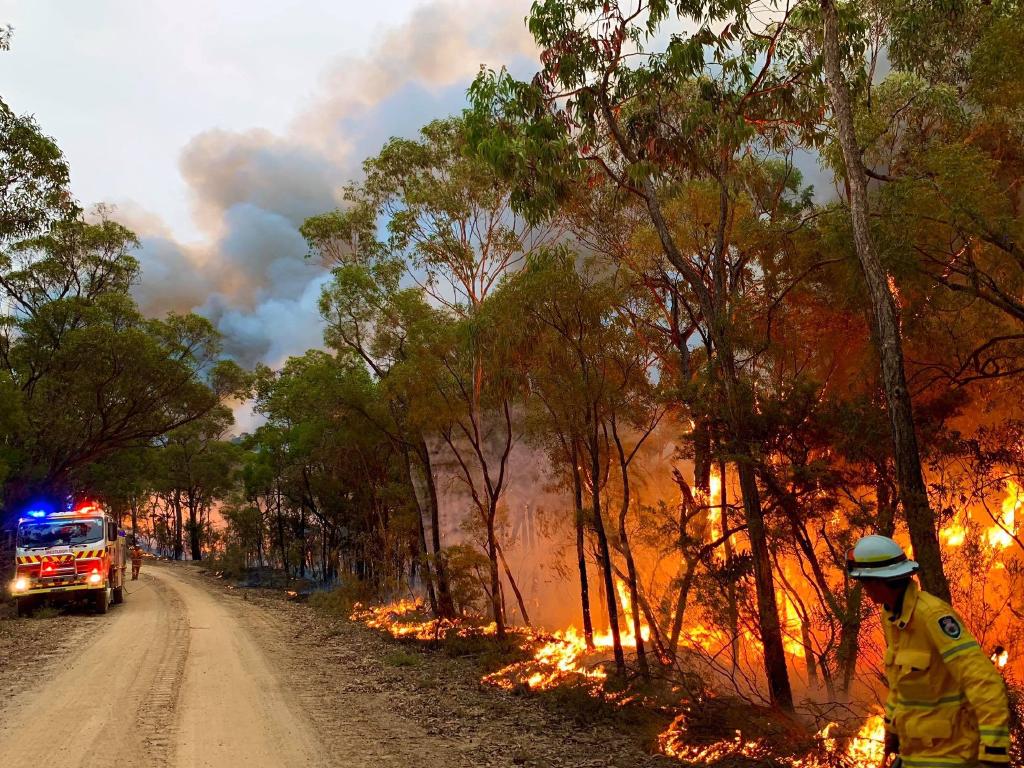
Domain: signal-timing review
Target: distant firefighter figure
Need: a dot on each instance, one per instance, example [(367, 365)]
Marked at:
[(136, 561)]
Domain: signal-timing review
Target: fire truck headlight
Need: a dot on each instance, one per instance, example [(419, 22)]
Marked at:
[(95, 578), (20, 585)]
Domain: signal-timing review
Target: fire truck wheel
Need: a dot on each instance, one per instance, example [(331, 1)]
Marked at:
[(25, 606), (119, 595), (101, 601)]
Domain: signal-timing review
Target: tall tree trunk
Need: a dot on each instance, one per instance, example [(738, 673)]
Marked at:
[(195, 529), (733, 604), (634, 592), (602, 544), (912, 490), (767, 608), (302, 541), (581, 554), (428, 576), (179, 526), (428, 573), (281, 537), (497, 612), (512, 583), (445, 604)]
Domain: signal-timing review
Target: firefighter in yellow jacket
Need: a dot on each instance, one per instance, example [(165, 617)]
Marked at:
[(947, 704)]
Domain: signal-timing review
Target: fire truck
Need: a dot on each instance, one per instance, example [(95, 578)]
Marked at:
[(69, 555)]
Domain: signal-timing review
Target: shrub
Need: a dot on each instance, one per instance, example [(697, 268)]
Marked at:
[(340, 600)]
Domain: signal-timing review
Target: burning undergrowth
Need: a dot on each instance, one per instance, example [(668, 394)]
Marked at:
[(694, 728)]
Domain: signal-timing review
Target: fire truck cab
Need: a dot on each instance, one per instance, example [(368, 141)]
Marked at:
[(69, 555)]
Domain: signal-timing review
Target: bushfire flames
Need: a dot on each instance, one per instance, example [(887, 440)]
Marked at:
[(565, 657), (866, 749)]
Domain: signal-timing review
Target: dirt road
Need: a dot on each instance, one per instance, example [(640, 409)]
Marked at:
[(170, 678), (193, 672)]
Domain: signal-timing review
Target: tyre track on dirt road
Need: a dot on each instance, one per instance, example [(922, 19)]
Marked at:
[(234, 707), (97, 698), (155, 717), (169, 679)]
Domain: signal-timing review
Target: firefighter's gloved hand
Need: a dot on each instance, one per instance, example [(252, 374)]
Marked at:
[(892, 744)]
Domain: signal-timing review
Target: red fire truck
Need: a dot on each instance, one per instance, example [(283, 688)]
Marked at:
[(69, 555)]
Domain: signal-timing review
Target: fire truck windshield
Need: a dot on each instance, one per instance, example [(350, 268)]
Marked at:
[(33, 534)]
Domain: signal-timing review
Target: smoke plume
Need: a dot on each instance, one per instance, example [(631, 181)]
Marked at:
[(250, 191)]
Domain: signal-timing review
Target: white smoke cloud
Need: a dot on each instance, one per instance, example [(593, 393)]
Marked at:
[(251, 190)]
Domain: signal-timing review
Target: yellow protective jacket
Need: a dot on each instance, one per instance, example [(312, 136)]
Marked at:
[(947, 703)]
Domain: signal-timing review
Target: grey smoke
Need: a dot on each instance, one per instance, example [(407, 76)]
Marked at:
[(251, 190)]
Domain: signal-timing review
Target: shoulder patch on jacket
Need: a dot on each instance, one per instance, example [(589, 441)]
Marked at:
[(950, 626)]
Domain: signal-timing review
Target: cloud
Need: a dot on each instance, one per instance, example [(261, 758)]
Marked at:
[(251, 190)]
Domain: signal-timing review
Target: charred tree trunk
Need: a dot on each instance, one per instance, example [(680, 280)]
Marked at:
[(427, 571), (282, 539), (602, 543), (634, 592), (734, 613), (428, 577), (445, 604), (195, 528), (302, 541), (497, 611), (179, 526), (767, 608), (912, 490), (581, 554)]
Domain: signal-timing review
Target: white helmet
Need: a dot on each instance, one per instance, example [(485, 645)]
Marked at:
[(878, 557)]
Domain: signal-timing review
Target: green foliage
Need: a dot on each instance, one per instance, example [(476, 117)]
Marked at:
[(93, 375), (34, 176), (467, 574), (341, 600)]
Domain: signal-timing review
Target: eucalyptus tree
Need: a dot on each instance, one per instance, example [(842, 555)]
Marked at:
[(451, 236), (194, 467), (589, 390), (91, 375), (655, 123), (34, 178), (879, 284), (370, 315), (324, 465)]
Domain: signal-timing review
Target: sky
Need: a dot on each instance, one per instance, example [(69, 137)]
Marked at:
[(215, 127)]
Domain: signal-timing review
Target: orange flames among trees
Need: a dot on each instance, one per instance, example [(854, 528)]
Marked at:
[(564, 656)]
